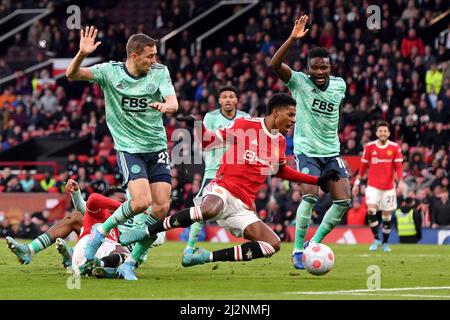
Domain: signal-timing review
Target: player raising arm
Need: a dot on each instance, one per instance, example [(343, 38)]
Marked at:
[(316, 144), (137, 93), (257, 149), (384, 160)]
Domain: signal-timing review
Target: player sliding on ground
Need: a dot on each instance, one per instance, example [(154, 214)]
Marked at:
[(72, 222), (384, 160), (257, 149), (316, 143), (214, 120), (137, 94)]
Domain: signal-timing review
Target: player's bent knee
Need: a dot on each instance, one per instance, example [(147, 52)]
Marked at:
[(160, 209), (140, 204), (276, 245), (210, 209)]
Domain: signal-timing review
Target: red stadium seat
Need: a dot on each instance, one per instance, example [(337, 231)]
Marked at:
[(83, 158), (110, 179), (112, 160), (39, 176), (2, 188)]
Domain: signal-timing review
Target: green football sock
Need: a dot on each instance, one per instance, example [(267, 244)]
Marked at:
[(193, 234), (142, 247), (40, 243), (122, 214), (304, 212), (331, 219)]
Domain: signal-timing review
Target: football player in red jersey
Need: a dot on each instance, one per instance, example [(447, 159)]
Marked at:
[(257, 149), (384, 160)]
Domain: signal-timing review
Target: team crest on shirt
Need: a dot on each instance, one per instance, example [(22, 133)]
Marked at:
[(150, 88), (305, 170), (135, 168), (337, 96), (389, 153)]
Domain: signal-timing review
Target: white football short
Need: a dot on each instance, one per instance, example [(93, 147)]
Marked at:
[(385, 200), (105, 249), (235, 216)]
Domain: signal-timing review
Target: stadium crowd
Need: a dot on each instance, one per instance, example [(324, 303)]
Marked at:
[(395, 74)]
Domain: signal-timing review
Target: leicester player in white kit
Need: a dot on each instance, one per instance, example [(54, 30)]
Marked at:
[(316, 143), (137, 93), (384, 160)]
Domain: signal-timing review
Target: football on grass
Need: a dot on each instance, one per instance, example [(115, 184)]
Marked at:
[(318, 259)]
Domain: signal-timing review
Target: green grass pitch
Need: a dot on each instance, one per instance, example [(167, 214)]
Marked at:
[(408, 272)]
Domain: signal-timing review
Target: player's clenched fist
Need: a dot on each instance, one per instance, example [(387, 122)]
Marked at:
[(72, 186)]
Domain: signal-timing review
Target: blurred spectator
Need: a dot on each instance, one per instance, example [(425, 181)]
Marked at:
[(105, 166), (195, 188), (357, 214), (412, 41), (408, 221), (27, 183), (91, 166), (433, 80), (60, 185), (27, 230), (73, 164), (440, 210), (47, 182), (99, 184), (6, 229), (48, 102), (5, 176), (13, 185)]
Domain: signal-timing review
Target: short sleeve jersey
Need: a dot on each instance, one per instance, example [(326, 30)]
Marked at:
[(135, 127), (216, 120), (381, 161), (317, 119), (254, 153)]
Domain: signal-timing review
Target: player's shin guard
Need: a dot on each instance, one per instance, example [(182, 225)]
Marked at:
[(304, 212), (373, 222), (122, 214), (40, 243), (331, 219), (181, 219), (245, 252), (386, 228)]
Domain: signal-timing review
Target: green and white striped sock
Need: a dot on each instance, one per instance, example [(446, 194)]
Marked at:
[(40, 243)]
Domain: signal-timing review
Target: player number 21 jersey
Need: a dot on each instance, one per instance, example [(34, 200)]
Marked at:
[(135, 127)]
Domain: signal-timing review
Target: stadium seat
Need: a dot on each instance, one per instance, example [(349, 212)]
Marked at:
[(2, 188), (83, 158), (110, 179), (38, 176), (112, 160)]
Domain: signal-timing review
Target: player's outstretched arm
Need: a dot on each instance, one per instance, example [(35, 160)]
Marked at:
[(283, 70), (87, 46), (75, 193)]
